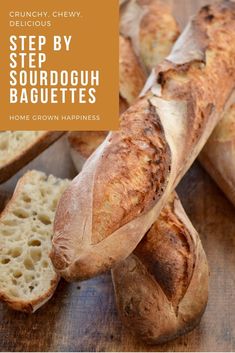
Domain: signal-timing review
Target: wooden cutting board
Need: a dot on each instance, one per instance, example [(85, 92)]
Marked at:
[(82, 316)]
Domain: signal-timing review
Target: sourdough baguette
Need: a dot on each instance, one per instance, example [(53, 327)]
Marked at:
[(218, 156), (17, 148), (113, 202), (27, 277), (162, 288), (151, 27)]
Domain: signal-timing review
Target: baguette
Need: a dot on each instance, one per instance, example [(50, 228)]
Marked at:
[(17, 148), (162, 287), (27, 277), (112, 203), (168, 272), (218, 156), (151, 27), (171, 268)]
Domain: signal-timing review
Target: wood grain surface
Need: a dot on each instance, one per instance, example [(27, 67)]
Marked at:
[(82, 316)]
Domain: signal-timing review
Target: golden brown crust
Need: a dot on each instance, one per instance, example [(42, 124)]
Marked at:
[(40, 144), (167, 252), (191, 88), (162, 288), (132, 184)]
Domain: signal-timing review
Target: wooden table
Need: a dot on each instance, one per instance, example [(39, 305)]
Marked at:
[(83, 317)]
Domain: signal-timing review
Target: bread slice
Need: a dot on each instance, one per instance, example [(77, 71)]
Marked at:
[(17, 148), (27, 277)]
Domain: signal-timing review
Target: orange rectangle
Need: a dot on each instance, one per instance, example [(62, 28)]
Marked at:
[(59, 65)]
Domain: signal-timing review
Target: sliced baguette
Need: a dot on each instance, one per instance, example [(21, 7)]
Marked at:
[(17, 148), (27, 277)]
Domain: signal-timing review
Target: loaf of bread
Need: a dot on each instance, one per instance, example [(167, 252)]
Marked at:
[(218, 156), (113, 202), (27, 277), (151, 27), (162, 287), (17, 148)]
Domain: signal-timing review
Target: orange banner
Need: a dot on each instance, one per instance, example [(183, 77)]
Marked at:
[(59, 65)]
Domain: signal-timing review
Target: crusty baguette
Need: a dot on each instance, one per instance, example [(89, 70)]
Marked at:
[(17, 148), (151, 27), (218, 156), (112, 203), (162, 288), (27, 277)]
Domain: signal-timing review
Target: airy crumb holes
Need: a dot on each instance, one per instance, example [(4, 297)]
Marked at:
[(36, 254), (20, 213), (34, 242), (44, 219), (28, 264), (17, 273), (16, 252)]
